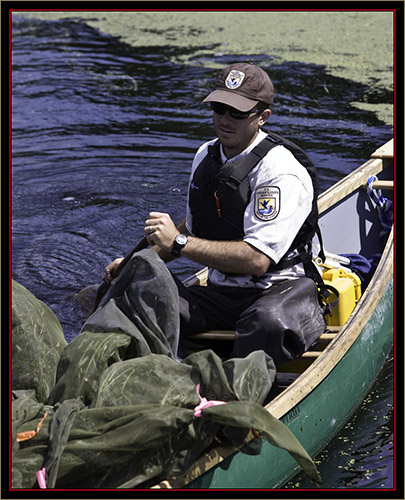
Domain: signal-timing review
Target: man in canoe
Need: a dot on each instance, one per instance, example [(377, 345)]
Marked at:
[(250, 218)]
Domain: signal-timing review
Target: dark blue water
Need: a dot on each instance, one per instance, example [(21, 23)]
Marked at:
[(103, 133)]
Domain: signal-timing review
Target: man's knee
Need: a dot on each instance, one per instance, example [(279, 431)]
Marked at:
[(283, 322)]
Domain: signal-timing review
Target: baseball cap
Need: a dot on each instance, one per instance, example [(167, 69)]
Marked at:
[(242, 86)]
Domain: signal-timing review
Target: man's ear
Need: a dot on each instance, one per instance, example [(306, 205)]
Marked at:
[(264, 117)]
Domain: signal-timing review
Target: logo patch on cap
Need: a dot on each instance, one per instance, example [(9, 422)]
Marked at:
[(267, 203), (234, 79)]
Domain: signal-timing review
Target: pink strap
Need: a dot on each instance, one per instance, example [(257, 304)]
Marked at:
[(204, 403), (41, 478)]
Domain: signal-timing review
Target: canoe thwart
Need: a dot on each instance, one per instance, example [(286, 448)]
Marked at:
[(381, 185)]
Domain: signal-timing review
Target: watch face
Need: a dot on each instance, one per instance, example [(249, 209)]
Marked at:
[(181, 239)]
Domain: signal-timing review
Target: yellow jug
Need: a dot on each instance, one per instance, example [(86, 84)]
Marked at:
[(349, 287)]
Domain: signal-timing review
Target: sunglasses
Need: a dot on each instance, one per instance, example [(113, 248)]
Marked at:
[(220, 109)]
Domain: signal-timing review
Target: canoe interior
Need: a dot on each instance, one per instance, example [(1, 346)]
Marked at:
[(350, 224)]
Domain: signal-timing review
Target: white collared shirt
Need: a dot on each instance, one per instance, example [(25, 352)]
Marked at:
[(281, 181)]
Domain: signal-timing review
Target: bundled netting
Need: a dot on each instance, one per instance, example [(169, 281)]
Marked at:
[(37, 342), (122, 411)]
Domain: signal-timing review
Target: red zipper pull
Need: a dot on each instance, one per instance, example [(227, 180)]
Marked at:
[(217, 196)]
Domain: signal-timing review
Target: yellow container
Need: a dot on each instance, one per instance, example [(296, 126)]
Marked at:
[(349, 287)]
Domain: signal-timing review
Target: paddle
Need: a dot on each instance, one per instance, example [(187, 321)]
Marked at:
[(90, 297)]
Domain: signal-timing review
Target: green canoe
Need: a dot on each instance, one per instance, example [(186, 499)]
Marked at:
[(320, 390)]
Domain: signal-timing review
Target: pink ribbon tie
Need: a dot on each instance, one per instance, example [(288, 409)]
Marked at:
[(204, 403), (41, 478)]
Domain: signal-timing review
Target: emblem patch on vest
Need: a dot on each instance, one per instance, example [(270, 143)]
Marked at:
[(267, 203), (234, 79)]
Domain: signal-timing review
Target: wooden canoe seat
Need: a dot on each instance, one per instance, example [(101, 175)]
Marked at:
[(286, 372), (229, 335), (329, 334)]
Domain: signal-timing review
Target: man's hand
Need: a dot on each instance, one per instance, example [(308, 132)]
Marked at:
[(160, 230), (109, 274)]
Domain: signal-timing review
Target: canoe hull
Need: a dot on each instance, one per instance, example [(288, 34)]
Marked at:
[(319, 416)]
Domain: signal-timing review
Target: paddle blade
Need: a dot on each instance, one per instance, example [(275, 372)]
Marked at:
[(87, 298)]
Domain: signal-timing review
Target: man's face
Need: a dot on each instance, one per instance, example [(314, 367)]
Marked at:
[(236, 135)]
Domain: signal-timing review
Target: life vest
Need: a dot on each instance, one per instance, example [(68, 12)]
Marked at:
[(219, 195)]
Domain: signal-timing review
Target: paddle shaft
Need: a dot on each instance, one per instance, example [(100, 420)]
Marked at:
[(105, 285), (140, 246)]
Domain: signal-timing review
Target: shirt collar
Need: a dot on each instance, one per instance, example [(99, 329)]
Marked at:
[(260, 136)]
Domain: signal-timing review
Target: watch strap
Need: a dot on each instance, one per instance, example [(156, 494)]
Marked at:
[(177, 247)]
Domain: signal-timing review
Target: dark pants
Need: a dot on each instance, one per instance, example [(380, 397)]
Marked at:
[(282, 321)]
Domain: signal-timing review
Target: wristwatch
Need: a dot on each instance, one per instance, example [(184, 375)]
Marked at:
[(180, 241)]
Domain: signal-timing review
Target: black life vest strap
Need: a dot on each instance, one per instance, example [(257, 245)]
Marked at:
[(324, 289), (319, 234), (250, 161), (214, 151), (292, 261)]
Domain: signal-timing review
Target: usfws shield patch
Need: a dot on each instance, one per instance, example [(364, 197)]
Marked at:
[(267, 203)]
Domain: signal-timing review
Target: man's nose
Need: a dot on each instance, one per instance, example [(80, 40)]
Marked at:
[(226, 117)]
